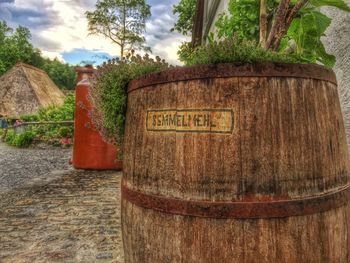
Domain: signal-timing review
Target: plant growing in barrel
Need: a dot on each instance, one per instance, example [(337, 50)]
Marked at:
[(241, 157)]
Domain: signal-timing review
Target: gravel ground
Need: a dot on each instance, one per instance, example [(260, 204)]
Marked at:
[(20, 167), (50, 212)]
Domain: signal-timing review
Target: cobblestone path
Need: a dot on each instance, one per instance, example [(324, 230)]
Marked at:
[(52, 213)]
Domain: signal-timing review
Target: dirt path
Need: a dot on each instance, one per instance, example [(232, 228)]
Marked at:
[(52, 213)]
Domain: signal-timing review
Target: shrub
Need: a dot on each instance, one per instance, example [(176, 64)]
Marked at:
[(232, 50), (48, 133), (54, 113), (65, 132), (22, 140), (10, 137), (109, 92)]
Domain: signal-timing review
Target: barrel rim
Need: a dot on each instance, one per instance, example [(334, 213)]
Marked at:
[(226, 70)]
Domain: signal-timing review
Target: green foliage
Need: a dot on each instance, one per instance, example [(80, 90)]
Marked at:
[(334, 3), (185, 10), (301, 43), (51, 134), (10, 137), (65, 132), (54, 113), (242, 21), (22, 140), (15, 47), (305, 33), (303, 37), (62, 74), (109, 92), (121, 21), (185, 52), (235, 50)]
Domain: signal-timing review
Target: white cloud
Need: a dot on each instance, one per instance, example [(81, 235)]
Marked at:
[(53, 55)]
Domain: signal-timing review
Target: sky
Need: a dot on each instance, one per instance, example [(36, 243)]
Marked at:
[(59, 29)]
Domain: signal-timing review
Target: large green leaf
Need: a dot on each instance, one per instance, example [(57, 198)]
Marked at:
[(336, 3), (312, 28), (306, 32), (321, 22), (325, 58)]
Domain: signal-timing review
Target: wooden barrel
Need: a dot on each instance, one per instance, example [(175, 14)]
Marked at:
[(231, 163)]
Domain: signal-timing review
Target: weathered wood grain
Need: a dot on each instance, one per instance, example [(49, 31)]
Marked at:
[(288, 143)]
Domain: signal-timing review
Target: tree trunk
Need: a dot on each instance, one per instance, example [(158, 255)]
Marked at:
[(263, 24), (121, 51), (278, 23), (122, 46), (284, 18)]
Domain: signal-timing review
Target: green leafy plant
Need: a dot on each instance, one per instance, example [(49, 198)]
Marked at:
[(65, 132), (304, 37), (185, 9), (51, 134), (292, 28), (22, 140), (242, 20), (10, 137), (109, 92), (235, 50), (54, 113)]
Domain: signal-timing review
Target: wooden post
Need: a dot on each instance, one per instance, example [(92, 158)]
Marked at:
[(197, 32)]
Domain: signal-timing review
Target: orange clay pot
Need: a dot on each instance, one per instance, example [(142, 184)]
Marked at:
[(90, 151)]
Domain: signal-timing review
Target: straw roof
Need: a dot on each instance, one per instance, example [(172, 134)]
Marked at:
[(25, 89)]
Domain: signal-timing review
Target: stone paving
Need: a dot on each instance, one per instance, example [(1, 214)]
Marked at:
[(52, 213)]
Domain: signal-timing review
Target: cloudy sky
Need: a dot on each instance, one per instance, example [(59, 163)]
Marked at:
[(59, 29)]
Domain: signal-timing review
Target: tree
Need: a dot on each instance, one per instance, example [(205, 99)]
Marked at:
[(15, 47), (122, 21), (185, 10), (62, 74)]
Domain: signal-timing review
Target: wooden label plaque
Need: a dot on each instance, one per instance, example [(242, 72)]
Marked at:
[(191, 120)]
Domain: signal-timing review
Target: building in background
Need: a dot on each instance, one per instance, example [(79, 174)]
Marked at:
[(25, 89), (207, 13)]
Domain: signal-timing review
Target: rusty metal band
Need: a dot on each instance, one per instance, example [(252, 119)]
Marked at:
[(239, 210), (226, 70)]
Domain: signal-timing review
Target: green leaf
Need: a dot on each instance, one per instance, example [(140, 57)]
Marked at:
[(242, 20), (284, 44), (185, 10), (335, 3), (306, 32), (322, 22), (325, 58)]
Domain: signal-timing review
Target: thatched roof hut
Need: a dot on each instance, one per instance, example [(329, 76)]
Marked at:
[(25, 89)]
